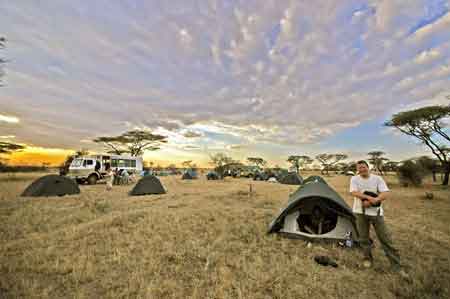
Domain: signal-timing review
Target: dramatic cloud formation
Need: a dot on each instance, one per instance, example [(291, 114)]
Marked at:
[(266, 76)]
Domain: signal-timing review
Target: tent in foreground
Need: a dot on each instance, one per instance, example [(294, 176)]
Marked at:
[(315, 211), (52, 185), (148, 185), (291, 178)]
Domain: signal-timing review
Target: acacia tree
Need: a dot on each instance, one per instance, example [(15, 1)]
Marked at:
[(377, 160), (427, 125), (390, 166), (187, 164), (8, 148), (256, 161), (219, 161), (134, 142), (430, 165), (328, 160), (299, 162)]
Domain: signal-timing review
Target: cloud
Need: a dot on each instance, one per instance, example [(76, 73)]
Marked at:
[(279, 73), (192, 134), (9, 119)]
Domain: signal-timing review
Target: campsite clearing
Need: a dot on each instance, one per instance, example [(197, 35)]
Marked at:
[(206, 239)]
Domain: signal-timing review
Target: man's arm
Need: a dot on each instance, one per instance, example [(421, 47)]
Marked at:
[(366, 199), (383, 191)]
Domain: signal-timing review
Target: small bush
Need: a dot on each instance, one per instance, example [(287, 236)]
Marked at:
[(411, 173)]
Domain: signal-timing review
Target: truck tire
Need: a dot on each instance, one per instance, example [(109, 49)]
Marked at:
[(92, 179)]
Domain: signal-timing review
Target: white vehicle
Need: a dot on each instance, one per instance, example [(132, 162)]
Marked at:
[(94, 168)]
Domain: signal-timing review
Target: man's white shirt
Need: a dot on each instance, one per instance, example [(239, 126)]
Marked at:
[(373, 183)]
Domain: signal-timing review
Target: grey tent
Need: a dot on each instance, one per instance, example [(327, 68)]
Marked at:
[(52, 185), (189, 175), (299, 219), (291, 178), (148, 185), (314, 178)]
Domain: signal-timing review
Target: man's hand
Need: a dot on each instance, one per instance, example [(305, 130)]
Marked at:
[(366, 204)]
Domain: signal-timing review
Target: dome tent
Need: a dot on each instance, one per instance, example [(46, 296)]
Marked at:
[(189, 175), (291, 178), (212, 175), (148, 185), (52, 185), (315, 211)]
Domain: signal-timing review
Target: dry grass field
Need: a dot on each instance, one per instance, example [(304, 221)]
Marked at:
[(205, 239)]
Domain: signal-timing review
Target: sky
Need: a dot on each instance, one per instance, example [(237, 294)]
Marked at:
[(248, 78)]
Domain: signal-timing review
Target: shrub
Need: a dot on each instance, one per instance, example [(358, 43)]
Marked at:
[(411, 173)]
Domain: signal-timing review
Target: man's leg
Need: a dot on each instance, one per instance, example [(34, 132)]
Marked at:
[(386, 241), (363, 224)]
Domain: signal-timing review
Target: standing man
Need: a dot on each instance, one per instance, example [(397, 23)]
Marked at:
[(369, 192)]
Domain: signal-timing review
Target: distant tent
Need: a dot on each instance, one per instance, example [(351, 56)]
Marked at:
[(272, 180), (260, 176), (52, 185), (189, 175), (148, 185), (291, 178), (212, 175), (314, 178), (315, 211)]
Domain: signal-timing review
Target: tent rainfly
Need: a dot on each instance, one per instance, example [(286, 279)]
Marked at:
[(314, 178), (291, 178), (212, 176), (149, 184), (316, 212), (189, 175), (52, 185)]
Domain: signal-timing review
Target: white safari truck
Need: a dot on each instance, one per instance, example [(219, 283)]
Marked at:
[(91, 169)]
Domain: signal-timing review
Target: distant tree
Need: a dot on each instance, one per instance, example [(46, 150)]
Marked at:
[(219, 160), (299, 162), (390, 166), (134, 142), (341, 167), (350, 166), (2, 61), (256, 161), (427, 125), (187, 164), (411, 173), (328, 160), (430, 165), (7, 148), (377, 160)]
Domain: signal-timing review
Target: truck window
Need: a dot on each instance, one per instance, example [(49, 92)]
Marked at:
[(77, 163), (114, 163), (88, 163)]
